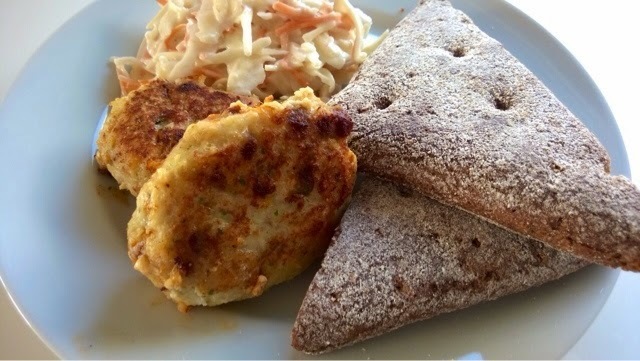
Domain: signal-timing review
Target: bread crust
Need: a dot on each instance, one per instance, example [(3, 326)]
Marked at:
[(460, 119), (402, 257)]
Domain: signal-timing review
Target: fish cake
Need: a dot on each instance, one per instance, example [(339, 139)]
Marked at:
[(246, 200), (145, 125)]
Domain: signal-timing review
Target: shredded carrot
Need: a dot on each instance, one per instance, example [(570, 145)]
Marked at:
[(127, 85), (284, 63), (308, 22), (299, 77), (284, 41), (297, 74), (346, 23), (170, 42), (285, 9), (299, 19), (287, 23)]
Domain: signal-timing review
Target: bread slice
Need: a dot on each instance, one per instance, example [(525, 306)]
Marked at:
[(444, 109), (402, 257)]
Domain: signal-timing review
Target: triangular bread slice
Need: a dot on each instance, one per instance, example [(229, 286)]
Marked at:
[(444, 109), (402, 257)]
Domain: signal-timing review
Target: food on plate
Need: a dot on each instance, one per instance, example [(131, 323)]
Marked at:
[(261, 47), (444, 109), (235, 196), (401, 257), (244, 201), (145, 125)]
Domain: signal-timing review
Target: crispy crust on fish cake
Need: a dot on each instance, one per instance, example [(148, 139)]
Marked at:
[(245, 200), (145, 125)]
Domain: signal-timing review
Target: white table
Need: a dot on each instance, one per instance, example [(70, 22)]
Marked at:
[(601, 37)]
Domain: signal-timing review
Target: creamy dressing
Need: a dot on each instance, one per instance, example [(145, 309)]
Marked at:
[(261, 47)]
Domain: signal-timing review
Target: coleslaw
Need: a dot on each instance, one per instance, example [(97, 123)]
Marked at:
[(260, 47)]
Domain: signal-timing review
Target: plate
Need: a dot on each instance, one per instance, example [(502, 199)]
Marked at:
[(63, 248)]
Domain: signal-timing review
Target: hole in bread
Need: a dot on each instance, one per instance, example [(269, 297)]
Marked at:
[(502, 104), (556, 168), (556, 223), (400, 285), (458, 51), (475, 242), (334, 296), (502, 99), (489, 276), (429, 110), (382, 103)]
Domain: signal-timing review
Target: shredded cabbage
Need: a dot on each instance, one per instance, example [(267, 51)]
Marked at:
[(261, 47)]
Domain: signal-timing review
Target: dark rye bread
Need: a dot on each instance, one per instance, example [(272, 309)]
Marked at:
[(401, 258), (444, 109)]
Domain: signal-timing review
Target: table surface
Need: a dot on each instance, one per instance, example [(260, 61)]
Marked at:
[(601, 37)]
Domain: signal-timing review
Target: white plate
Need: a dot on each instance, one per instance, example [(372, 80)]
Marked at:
[(62, 244)]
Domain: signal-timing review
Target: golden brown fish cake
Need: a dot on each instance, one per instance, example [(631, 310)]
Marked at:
[(246, 200), (145, 125)]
